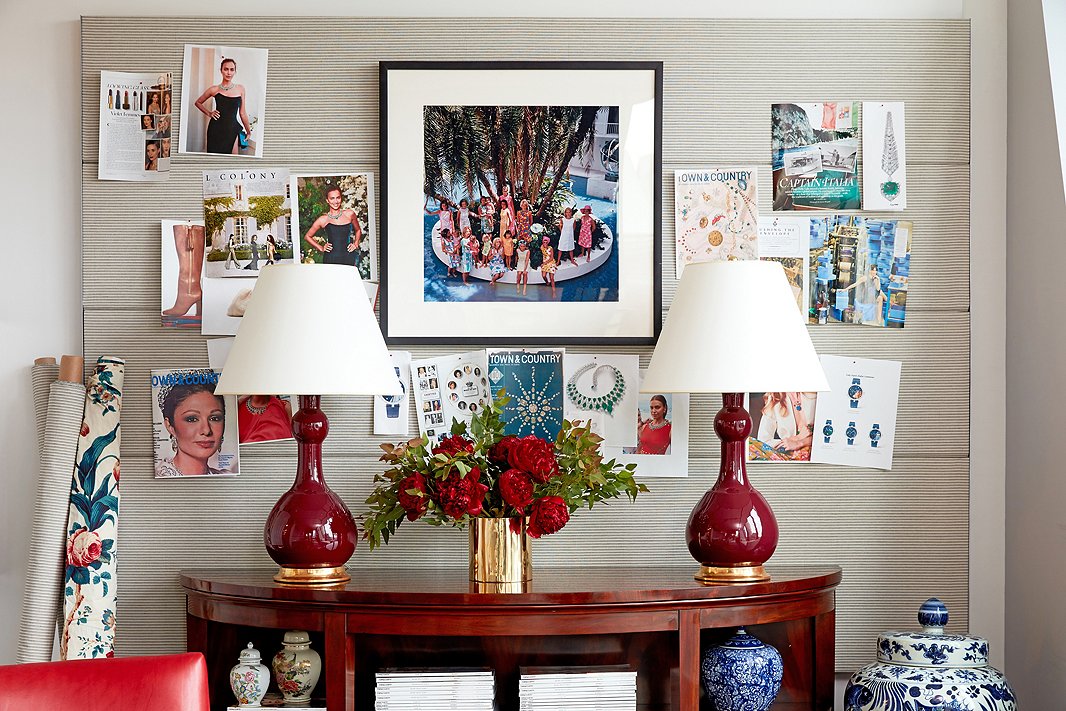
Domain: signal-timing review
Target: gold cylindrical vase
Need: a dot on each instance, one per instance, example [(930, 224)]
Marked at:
[(500, 555)]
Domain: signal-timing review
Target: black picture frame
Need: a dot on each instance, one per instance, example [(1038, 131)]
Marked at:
[(634, 91)]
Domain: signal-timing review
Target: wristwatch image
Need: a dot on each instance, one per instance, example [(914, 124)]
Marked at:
[(875, 434), (393, 402), (827, 431), (855, 392), (851, 432)]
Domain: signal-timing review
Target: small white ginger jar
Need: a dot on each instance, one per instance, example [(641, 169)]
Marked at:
[(297, 667), (249, 679), (929, 671)]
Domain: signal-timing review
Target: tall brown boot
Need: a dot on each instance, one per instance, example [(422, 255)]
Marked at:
[(189, 244)]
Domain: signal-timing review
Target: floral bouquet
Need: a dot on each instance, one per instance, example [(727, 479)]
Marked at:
[(479, 472)]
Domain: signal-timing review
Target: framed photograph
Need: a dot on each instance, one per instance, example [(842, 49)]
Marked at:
[(521, 202)]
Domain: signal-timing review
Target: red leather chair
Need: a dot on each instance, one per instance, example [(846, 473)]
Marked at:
[(175, 682)]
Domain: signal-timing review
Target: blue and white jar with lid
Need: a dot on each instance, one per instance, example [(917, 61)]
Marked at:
[(929, 670)]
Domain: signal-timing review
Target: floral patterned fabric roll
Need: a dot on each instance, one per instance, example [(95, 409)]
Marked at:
[(92, 523)]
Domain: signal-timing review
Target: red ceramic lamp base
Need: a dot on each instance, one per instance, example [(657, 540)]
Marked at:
[(310, 533), (732, 530)]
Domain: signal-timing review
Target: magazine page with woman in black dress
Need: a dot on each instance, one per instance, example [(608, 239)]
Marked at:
[(334, 221), (342, 232), (228, 116), (222, 101)]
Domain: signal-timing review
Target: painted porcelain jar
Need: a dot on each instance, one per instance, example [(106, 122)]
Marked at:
[(929, 671), (250, 678), (297, 667), (744, 674)]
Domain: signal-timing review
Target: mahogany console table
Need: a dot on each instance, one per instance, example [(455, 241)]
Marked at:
[(655, 619)]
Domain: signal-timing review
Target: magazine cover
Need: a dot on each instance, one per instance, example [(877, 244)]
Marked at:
[(533, 380), (194, 430), (715, 214), (246, 214), (334, 220), (135, 123), (815, 151), (260, 418), (859, 268)]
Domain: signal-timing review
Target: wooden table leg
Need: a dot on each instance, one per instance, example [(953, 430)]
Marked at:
[(339, 664), (824, 659), (688, 632)]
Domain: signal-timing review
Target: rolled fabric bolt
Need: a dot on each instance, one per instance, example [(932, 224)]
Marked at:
[(43, 584), (92, 520), (44, 373)]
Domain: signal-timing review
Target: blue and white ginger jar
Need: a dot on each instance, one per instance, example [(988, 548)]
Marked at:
[(744, 674), (929, 671)]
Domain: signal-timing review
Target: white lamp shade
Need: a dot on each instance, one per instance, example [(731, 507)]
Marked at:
[(308, 330), (733, 327)]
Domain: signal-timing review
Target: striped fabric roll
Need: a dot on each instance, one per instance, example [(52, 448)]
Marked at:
[(47, 555), (41, 378)]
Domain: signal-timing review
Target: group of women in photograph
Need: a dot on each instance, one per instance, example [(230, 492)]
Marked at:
[(493, 235)]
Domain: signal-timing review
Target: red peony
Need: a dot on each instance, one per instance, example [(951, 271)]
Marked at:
[(453, 444), (500, 452), (83, 548), (461, 495), (534, 456), (516, 488), (547, 516), (413, 504)]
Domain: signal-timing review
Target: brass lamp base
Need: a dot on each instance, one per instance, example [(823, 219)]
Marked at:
[(711, 574), (312, 576)]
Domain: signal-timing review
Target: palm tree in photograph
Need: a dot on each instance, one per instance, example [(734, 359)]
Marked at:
[(528, 147)]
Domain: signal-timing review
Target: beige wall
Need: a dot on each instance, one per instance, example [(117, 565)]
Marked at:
[(39, 139), (1036, 373)]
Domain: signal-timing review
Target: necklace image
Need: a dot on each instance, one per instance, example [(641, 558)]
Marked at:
[(890, 161), (652, 425), (253, 409), (225, 87), (600, 403), (335, 215)]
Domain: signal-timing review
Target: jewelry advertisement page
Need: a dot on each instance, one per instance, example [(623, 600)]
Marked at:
[(856, 422), (392, 412), (602, 390), (716, 214), (884, 156), (448, 388), (135, 123), (260, 418), (533, 380), (661, 432)]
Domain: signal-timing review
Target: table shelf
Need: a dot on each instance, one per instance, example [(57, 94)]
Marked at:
[(658, 620)]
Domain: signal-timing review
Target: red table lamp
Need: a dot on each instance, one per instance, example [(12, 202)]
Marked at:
[(309, 329), (733, 328)]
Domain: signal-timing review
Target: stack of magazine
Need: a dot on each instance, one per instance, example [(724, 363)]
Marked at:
[(436, 689), (601, 688)]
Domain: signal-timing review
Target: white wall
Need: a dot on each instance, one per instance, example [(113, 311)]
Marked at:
[(1036, 355), (40, 135)]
